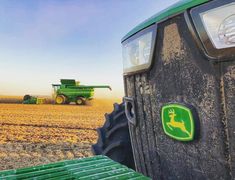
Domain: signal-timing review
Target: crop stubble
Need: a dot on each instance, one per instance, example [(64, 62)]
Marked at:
[(39, 134)]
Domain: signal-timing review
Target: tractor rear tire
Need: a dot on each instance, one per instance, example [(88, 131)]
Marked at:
[(114, 138), (60, 99), (26, 97), (80, 101)]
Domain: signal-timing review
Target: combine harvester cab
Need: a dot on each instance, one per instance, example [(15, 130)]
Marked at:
[(71, 91)]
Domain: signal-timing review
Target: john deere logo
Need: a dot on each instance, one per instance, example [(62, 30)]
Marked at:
[(178, 122)]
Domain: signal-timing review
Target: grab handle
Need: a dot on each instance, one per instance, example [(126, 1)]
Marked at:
[(130, 110)]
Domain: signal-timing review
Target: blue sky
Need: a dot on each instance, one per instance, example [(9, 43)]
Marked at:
[(43, 41)]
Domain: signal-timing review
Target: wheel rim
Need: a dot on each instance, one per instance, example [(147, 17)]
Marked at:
[(79, 101), (59, 100)]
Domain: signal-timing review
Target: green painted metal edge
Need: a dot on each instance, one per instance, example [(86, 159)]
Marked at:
[(175, 9), (97, 167)]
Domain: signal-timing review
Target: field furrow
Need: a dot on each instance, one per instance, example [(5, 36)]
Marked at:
[(39, 134)]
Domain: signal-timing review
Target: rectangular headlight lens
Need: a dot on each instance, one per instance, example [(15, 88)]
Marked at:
[(220, 25), (137, 51)]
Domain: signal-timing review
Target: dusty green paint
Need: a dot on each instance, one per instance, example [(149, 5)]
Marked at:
[(173, 10), (98, 167), (178, 122)]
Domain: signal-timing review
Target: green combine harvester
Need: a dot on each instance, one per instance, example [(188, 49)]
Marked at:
[(177, 118), (71, 91), (68, 91)]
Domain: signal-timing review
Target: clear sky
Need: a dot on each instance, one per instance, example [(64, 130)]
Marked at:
[(45, 40)]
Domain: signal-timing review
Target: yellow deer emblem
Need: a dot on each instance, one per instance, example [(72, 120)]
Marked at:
[(174, 124)]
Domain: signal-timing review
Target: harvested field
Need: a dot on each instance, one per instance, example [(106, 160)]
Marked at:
[(39, 134)]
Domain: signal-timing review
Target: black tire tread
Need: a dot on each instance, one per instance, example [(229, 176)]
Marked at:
[(116, 128), (82, 99), (114, 138)]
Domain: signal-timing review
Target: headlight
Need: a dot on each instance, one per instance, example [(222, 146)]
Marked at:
[(220, 25), (215, 24), (137, 51)]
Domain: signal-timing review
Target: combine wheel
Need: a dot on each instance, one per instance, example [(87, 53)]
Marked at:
[(114, 138), (80, 101), (60, 99)]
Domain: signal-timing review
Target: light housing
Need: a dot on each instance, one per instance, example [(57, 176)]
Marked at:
[(215, 25), (137, 51)]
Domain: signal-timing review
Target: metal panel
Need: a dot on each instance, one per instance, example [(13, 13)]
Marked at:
[(181, 73)]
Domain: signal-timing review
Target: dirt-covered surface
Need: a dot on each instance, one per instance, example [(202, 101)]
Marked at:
[(39, 134)]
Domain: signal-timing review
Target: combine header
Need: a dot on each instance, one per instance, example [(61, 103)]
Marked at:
[(27, 99), (71, 91)]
